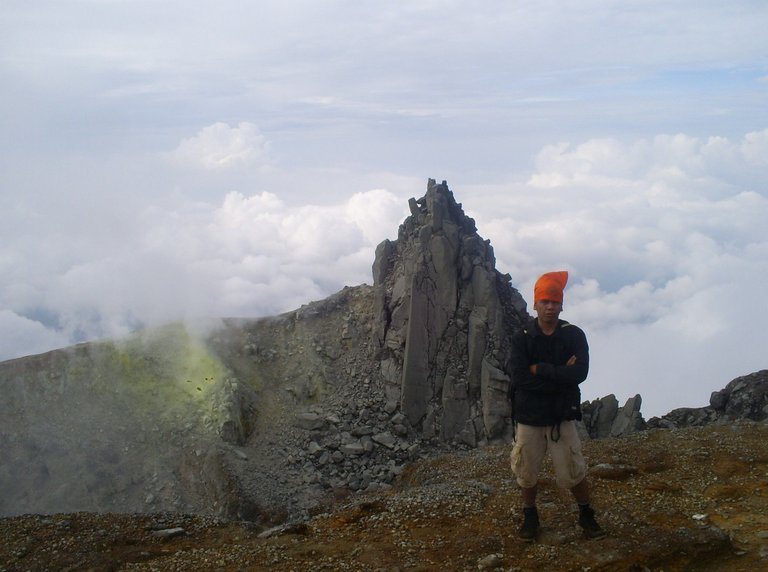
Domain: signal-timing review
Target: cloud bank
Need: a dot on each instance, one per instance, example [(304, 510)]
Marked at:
[(667, 255), (248, 256)]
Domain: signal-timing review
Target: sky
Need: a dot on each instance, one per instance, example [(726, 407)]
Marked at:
[(167, 160)]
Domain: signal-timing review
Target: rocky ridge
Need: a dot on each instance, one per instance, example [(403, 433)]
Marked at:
[(745, 397), (270, 420), (264, 419)]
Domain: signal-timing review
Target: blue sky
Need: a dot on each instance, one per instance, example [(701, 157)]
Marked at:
[(175, 159)]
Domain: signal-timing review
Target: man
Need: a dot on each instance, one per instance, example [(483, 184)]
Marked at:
[(549, 359)]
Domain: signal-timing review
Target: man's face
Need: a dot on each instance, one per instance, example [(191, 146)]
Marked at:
[(548, 311)]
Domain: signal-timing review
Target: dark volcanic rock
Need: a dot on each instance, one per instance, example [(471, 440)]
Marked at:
[(604, 418), (444, 318), (744, 398)]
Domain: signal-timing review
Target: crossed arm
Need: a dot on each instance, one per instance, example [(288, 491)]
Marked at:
[(542, 376), (571, 361)]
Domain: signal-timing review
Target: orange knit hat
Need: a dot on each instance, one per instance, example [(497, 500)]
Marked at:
[(550, 286)]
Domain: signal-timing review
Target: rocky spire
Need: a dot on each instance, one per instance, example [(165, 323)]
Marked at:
[(444, 318)]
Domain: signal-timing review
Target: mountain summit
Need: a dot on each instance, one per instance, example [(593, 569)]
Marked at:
[(444, 316), (270, 419), (264, 418)]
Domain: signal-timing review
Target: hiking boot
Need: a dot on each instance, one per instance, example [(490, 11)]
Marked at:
[(587, 521), (530, 524)]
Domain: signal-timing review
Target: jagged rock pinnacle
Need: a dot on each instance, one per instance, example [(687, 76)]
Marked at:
[(444, 318)]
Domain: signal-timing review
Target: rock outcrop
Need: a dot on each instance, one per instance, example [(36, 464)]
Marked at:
[(745, 397), (604, 418), (444, 315)]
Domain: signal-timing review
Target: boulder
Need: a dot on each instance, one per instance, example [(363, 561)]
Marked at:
[(604, 418)]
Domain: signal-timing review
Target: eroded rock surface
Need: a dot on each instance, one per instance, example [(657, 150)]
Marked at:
[(444, 315), (604, 418)]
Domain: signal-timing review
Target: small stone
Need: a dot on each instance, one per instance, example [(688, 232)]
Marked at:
[(490, 562), (385, 439), (168, 533)]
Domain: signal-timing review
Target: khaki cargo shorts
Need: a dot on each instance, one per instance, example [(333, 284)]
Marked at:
[(531, 446)]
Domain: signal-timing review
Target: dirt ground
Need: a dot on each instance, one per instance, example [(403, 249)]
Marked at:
[(691, 499)]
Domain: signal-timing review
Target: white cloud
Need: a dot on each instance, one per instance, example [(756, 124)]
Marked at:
[(220, 146), (22, 336), (372, 213), (248, 256)]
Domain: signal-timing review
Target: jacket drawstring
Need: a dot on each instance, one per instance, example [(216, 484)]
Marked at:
[(555, 431)]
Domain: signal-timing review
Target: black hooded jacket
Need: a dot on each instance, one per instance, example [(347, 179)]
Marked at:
[(552, 395)]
